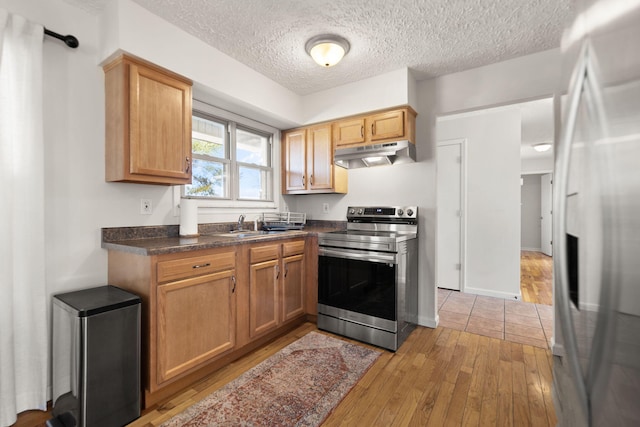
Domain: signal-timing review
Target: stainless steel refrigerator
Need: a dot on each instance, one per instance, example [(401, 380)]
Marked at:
[(596, 239)]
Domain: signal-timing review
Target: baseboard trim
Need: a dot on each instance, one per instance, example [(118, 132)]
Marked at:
[(531, 249), (428, 322), (496, 294)]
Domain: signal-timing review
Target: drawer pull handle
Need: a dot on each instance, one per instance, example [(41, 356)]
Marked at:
[(233, 279), (362, 131), (277, 272), (202, 265)]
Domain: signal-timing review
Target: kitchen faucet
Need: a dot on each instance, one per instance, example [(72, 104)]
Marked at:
[(241, 223)]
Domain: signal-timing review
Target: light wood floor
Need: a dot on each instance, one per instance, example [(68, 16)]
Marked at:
[(438, 377), (536, 277)]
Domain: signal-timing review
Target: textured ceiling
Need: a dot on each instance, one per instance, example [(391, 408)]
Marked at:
[(431, 37)]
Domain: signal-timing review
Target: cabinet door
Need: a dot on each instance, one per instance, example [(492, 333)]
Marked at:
[(348, 132), (160, 125), (293, 296), (386, 125), (320, 160), (196, 322), (263, 297), (295, 162)]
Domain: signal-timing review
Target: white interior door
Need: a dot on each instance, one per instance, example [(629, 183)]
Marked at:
[(546, 214), (449, 204)]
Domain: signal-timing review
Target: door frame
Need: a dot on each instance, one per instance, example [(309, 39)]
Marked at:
[(463, 208), (539, 172)]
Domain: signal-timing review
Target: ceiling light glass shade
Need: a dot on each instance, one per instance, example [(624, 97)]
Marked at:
[(327, 50), (545, 146)]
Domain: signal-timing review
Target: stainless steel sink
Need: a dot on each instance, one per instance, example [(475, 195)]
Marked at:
[(239, 234)]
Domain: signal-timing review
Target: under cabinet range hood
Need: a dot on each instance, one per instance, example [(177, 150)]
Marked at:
[(388, 153)]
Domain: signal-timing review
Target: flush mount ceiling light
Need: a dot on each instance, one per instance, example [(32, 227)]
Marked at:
[(327, 50), (542, 147)]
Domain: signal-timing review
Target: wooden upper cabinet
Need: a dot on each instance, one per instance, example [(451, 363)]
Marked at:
[(320, 160), (148, 123), (386, 125), (374, 128), (348, 132), (308, 162), (295, 164)]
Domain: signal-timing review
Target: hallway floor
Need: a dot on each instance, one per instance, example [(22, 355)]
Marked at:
[(515, 321), (526, 322)]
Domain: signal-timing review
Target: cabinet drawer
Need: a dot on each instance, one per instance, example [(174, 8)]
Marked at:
[(263, 253), (195, 266), (292, 248)]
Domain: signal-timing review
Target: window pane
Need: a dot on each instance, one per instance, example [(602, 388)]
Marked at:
[(208, 179), (252, 148), (208, 138), (253, 184)]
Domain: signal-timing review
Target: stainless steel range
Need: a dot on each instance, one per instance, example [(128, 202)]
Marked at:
[(368, 276)]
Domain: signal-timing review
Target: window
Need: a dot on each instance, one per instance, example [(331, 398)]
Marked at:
[(231, 161)]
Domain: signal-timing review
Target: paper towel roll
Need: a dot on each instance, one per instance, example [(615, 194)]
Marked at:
[(188, 217)]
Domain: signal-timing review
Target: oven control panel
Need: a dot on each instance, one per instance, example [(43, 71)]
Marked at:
[(383, 213)]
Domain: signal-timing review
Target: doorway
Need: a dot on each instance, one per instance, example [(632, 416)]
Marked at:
[(450, 197), (536, 242)]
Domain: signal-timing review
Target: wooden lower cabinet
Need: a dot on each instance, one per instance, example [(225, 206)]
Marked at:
[(195, 322), (276, 285), (293, 298), (203, 309), (263, 297)]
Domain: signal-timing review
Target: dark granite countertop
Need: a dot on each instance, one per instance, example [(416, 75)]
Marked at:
[(158, 240)]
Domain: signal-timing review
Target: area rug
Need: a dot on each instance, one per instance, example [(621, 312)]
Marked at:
[(298, 386)]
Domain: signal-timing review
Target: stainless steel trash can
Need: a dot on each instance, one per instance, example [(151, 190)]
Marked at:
[(96, 358)]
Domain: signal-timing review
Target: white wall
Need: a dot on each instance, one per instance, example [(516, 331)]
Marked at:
[(530, 208), (127, 26), (493, 198), (536, 165), (375, 93)]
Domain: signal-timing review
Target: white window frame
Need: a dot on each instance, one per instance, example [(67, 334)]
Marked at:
[(216, 205)]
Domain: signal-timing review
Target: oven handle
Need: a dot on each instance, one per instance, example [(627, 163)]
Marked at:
[(379, 257)]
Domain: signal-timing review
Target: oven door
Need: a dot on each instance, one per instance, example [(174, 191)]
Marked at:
[(358, 285)]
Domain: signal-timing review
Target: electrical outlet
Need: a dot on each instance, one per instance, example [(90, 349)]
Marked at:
[(325, 208), (146, 208)]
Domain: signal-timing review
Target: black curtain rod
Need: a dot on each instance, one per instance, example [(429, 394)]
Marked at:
[(70, 41)]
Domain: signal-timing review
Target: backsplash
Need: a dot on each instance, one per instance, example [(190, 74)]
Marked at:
[(114, 234)]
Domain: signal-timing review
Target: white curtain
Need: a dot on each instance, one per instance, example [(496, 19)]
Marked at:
[(23, 321)]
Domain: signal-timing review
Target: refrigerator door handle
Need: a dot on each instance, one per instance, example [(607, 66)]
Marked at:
[(561, 179), (602, 344)]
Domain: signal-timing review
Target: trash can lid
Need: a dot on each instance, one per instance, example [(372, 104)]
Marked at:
[(88, 302)]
